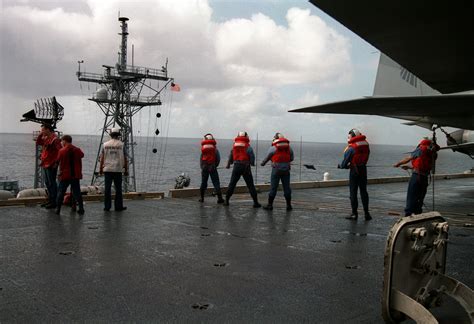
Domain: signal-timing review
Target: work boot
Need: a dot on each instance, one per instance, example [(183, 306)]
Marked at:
[(269, 206), (50, 206), (58, 210), (367, 216), (201, 200), (288, 204), (81, 211), (256, 204), (226, 202), (219, 198), (353, 216)]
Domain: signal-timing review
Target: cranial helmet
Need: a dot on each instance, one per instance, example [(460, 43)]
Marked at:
[(354, 132), (277, 136), (208, 136), (241, 134)]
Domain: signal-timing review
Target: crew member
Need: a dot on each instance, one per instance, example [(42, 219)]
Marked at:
[(356, 156), (281, 154), (210, 159), (70, 173), (422, 160), (243, 158), (50, 146), (113, 162)]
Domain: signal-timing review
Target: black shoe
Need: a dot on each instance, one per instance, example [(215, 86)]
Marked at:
[(106, 209), (220, 200), (367, 216), (50, 206), (121, 209), (256, 205), (201, 200), (289, 207), (352, 217), (44, 204), (58, 211), (81, 211), (268, 207)]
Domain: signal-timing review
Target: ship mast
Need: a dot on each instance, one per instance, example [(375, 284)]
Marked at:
[(120, 98)]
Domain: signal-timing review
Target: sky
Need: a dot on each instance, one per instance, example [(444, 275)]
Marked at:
[(241, 66)]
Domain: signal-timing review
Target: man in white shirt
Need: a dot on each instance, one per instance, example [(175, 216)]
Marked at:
[(112, 162)]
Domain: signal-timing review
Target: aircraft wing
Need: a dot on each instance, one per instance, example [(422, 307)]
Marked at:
[(465, 148), (446, 110), (431, 39)]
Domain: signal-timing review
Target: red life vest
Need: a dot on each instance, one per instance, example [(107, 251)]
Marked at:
[(361, 150), (208, 150), (282, 152), (424, 162), (239, 149)]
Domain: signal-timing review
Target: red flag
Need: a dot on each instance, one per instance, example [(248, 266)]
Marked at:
[(175, 87)]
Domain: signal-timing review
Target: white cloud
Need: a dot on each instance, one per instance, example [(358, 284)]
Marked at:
[(258, 51), (231, 72)]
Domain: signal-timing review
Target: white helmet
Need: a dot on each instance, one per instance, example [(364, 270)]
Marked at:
[(115, 130), (354, 132), (208, 136), (241, 134)]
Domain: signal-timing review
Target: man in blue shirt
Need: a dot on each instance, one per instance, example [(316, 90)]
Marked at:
[(422, 159), (356, 157), (243, 158), (281, 155)]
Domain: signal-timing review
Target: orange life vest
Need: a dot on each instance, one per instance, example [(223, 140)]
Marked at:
[(361, 150), (282, 152), (239, 149), (208, 150), (424, 163)]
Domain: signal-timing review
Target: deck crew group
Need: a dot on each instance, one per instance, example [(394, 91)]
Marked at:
[(63, 155)]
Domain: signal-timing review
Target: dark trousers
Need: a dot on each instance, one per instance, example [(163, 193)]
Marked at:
[(417, 187), (51, 184), (116, 178), (275, 178), (358, 180), (241, 170), (210, 170), (75, 190)]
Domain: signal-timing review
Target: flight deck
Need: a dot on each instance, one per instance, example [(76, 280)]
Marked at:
[(177, 260)]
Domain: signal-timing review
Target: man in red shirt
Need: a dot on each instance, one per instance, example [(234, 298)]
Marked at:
[(70, 173), (49, 155)]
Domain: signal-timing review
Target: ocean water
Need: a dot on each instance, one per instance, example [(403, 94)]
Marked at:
[(157, 171)]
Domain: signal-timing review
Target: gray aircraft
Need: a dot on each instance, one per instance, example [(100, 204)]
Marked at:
[(432, 42), (429, 41)]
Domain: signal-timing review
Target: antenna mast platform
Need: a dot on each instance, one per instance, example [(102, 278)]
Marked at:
[(120, 98)]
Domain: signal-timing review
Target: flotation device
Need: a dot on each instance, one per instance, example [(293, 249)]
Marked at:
[(208, 150), (424, 163), (239, 149), (361, 150), (282, 152)]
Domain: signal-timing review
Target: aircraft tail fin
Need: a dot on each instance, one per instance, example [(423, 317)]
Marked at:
[(394, 80)]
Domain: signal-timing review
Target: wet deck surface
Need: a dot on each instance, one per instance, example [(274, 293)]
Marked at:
[(174, 260)]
